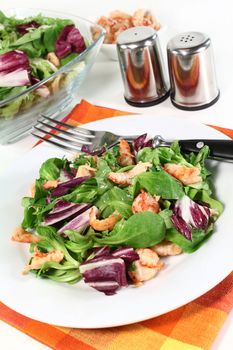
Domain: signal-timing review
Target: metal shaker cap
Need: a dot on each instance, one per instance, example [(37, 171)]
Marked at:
[(142, 67), (192, 71)]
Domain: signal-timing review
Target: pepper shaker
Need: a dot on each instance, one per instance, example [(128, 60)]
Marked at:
[(142, 67)]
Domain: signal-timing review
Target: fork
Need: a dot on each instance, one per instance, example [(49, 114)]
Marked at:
[(73, 138)]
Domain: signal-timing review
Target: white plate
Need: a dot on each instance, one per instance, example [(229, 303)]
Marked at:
[(185, 277)]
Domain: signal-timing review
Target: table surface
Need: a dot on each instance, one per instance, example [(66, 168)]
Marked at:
[(208, 16)]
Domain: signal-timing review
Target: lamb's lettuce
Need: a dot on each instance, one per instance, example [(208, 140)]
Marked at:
[(159, 183), (115, 199), (141, 230)]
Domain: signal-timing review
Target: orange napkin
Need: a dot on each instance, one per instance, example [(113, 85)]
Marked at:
[(191, 327)]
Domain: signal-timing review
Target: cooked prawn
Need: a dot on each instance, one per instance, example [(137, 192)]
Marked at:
[(50, 184), (144, 17), (126, 177), (22, 236), (85, 170), (166, 248), (107, 23), (33, 190), (183, 173), (126, 157), (40, 258), (104, 224), (119, 21), (145, 202), (146, 267)]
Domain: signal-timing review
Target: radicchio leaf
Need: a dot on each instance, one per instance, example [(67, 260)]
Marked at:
[(128, 254), (106, 274), (64, 187), (79, 223), (188, 214), (98, 152), (69, 40), (74, 208), (14, 69), (25, 27), (141, 142)]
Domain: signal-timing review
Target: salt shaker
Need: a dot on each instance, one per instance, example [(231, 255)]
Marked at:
[(142, 67), (192, 71)]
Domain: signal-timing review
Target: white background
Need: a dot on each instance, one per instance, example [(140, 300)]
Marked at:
[(104, 87)]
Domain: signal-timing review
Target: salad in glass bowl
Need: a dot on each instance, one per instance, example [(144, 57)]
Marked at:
[(44, 58), (111, 218)]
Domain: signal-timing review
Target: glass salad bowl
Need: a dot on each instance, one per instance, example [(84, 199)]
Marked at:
[(45, 83)]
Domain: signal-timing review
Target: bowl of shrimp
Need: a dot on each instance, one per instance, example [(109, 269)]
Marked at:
[(117, 22)]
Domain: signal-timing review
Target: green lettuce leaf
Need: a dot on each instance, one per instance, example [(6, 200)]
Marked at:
[(50, 169), (42, 68), (141, 230), (161, 184), (115, 199), (199, 237)]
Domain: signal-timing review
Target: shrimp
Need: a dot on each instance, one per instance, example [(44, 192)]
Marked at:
[(22, 236), (126, 156), (166, 248), (50, 184), (107, 23), (183, 173), (122, 21), (145, 202), (40, 258), (104, 224), (33, 190), (85, 170), (52, 57), (145, 18), (126, 177), (56, 84), (146, 267)]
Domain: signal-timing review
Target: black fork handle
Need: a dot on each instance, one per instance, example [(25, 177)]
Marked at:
[(218, 148)]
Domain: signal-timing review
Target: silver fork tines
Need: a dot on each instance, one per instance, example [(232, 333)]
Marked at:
[(73, 138)]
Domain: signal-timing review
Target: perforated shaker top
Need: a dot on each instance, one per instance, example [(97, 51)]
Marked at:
[(188, 42)]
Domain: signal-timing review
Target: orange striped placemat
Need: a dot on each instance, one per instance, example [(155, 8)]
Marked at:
[(191, 327)]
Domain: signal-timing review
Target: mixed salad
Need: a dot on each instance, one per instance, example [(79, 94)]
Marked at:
[(110, 217), (32, 49)]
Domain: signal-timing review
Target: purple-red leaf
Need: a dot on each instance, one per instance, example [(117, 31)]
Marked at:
[(188, 214), (141, 142), (105, 273), (128, 254), (75, 39), (62, 49), (14, 68), (24, 28), (74, 208), (61, 205), (13, 60), (79, 223), (86, 149), (64, 187), (102, 251), (69, 40), (65, 176)]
